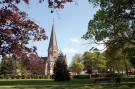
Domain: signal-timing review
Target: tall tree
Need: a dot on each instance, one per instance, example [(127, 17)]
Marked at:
[(117, 60), (61, 72), (113, 23), (87, 61), (16, 29), (77, 65)]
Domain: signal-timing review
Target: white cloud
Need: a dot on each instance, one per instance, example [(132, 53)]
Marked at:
[(69, 50), (75, 40)]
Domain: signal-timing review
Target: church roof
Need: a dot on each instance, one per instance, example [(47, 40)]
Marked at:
[(44, 58), (53, 41)]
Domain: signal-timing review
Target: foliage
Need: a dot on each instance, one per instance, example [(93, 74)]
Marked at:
[(117, 60), (87, 61), (32, 63), (81, 76), (10, 66), (7, 66), (61, 72), (114, 25), (130, 52), (17, 29), (94, 60), (113, 21), (76, 65)]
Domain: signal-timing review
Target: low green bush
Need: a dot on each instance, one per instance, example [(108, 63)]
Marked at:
[(11, 76), (81, 76), (112, 75), (127, 79), (131, 76)]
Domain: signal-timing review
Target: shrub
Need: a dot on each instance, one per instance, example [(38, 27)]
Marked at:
[(81, 76), (128, 79)]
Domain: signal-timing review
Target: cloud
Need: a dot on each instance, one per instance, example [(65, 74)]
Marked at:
[(69, 50), (75, 40)]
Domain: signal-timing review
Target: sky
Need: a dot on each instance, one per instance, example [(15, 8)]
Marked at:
[(70, 23)]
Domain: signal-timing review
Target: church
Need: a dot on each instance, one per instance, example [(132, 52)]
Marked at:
[(52, 54)]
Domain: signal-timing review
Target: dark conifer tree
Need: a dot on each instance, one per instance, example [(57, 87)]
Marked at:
[(61, 72)]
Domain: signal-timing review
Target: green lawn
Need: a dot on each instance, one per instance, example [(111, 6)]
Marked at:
[(50, 84), (44, 82), (71, 87)]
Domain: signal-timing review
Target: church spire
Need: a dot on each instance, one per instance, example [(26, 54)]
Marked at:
[(53, 41)]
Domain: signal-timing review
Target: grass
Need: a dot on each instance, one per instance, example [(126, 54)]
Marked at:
[(71, 87), (44, 82), (50, 84)]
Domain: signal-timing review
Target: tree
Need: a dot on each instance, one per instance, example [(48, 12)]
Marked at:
[(32, 63), (117, 59), (113, 23), (17, 29), (77, 65), (7, 66), (61, 72), (10, 66), (94, 60), (87, 61), (130, 52)]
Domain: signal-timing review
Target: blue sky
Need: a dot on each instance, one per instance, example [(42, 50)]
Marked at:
[(70, 25)]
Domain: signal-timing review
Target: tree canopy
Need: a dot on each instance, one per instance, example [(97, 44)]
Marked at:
[(114, 25), (16, 29), (77, 65), (114, 21)]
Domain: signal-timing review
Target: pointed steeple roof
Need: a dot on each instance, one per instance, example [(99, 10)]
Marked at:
[(53, 41)]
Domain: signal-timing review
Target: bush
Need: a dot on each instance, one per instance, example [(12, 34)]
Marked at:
[(112, 75), (1, 76), (81, 76), (131, 76), (127, 79), (11, 76)]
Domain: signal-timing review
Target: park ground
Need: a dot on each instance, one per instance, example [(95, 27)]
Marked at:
[(50, 84)]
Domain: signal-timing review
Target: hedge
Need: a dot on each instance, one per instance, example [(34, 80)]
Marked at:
[(10, 76), (81, 76)]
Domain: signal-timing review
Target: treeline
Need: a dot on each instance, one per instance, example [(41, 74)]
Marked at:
[(96, 62)]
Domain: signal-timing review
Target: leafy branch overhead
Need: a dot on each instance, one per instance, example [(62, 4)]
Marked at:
[(114, 21), (16, 29)]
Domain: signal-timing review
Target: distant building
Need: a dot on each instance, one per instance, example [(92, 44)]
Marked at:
[(52, 54)]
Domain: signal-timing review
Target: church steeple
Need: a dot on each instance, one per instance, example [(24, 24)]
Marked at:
[(52, 51), (53, 41)]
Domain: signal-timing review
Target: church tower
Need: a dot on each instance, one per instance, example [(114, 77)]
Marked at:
[(52, 52)]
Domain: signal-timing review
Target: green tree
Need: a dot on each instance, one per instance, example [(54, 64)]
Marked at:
[(87, 61), (94, 60), (114, 25), (61, 72), (130, 52), (113, 21), (11, 66), (117, 60), (7, 66), (77, 65)]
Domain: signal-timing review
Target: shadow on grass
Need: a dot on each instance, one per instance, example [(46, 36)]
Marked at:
[(82, 87)]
